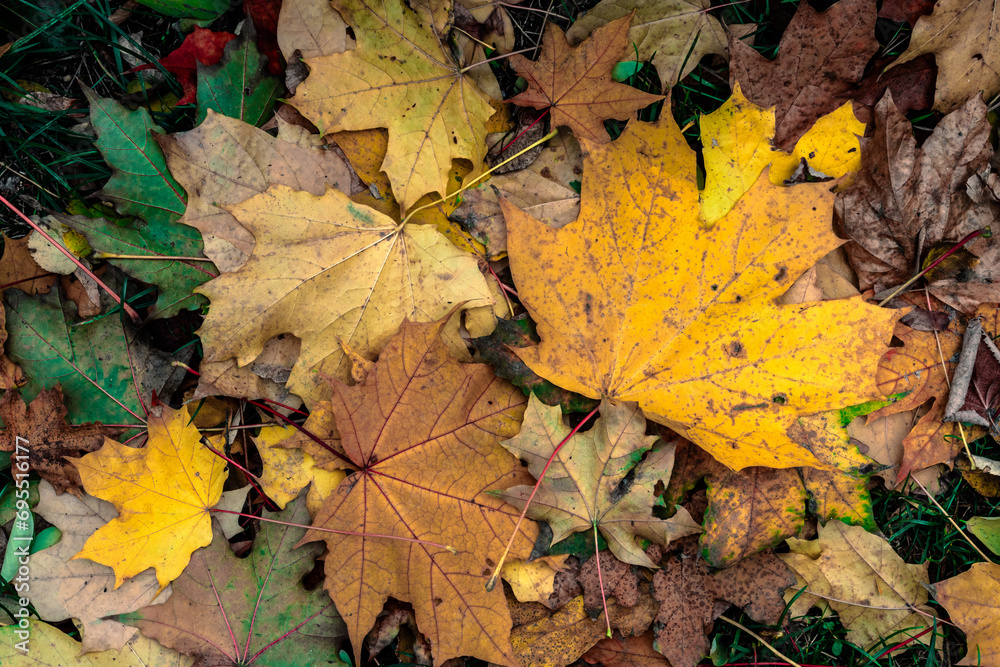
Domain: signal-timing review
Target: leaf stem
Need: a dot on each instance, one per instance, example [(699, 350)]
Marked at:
[(476, 179), (600, 582), (73, 258), (447, 548), (899, 290), (520, 519)]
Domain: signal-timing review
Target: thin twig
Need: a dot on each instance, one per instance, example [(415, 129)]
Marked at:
[(761, 640), (73, 258), (953, 523)]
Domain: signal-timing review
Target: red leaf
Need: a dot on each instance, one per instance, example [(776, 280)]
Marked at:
[(204, 46), (264, 14)]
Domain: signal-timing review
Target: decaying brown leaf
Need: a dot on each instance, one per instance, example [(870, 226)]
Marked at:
[(689, 601), (42, 426), (907, 199), (821, 56)]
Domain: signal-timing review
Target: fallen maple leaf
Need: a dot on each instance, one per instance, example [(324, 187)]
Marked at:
[(62, 588), (400, 77), (575, 83), (422, 433), (584, 488), (869, 586), (821, 56), (688, 596), (682, 319), (971, 600), (162, 492), (225, 161), (674, 35), (328, 270), (42, 426), (907, 199), (963, 36), (249, 611)]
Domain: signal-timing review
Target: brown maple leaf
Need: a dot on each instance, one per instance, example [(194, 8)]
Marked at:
[(42, 428), (422, 433), (907, 199), (575, 82), (821, 56), (690, 598)]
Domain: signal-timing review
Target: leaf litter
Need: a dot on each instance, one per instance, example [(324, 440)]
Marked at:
[(410, 340)]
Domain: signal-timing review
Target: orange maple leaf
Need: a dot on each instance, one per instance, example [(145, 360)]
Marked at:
[(423, 433), (576, 81)]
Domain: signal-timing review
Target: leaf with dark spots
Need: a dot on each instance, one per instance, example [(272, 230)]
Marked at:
[(688, 596), (39, 435), (581, 488), (751, 510)]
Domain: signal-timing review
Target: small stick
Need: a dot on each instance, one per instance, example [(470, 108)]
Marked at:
[(761, 640), (932, 265), (112, 255), (73, 258), (944, 369), (948, 516)]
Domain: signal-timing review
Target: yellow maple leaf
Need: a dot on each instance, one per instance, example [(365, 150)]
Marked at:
[(330, 271), (636, 301), (400, 77), (162, 492), (737, 147)]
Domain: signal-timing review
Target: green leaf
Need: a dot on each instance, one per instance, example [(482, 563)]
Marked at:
[(622, 71), (141, 184), (987, 530), (195, 9), (238, 86), (17, 544), (46, 538), (276, 621), (47, 347), (175, 278), (8, 500)]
